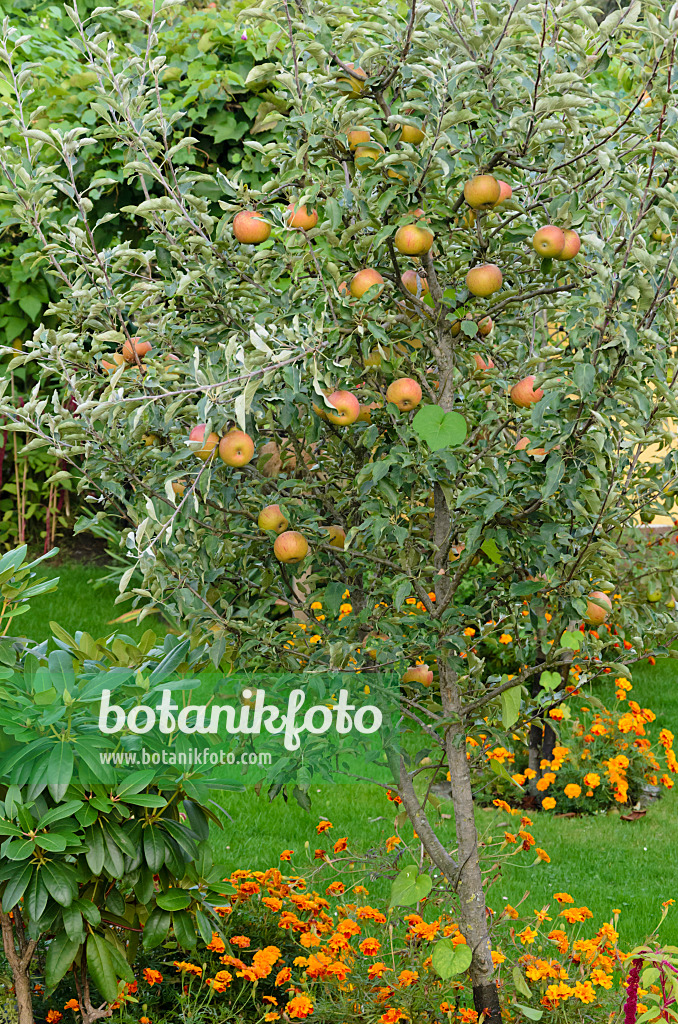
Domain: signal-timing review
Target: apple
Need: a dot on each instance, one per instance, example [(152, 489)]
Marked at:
[(390, 173), (418, 674), (271, 518), (598, 607), (485, 326), (347, 408), (179, 488), (250, 228), (337, 536), (411, 135), (274, 460), (415, 283), (236, 448), (356, 80), (141, 348), (118, 360), (654, 595), (368, 152), (455, 328), (413, 240), (299, 217), (366, 412), (290, 546), (505, 191), (481, 363), (484, 280), (209, 443), (523, 394), (482, 192), (363, 281), (405, 393), (149, 439), (357, 136), (571, 247), (549, 241)]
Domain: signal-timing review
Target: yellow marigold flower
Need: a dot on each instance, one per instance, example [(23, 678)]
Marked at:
[(591, 779), (527, 936), (497, 957), (392, 842), (505, 638), (323, 826), (542, 855), (572, 791), (584, 992), (563, 897), (469, 631), (548, 803), (73, 1004), (529, 773)]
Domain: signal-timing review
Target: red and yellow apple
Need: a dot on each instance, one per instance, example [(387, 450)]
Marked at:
[(524, 394), (236, 448), (549, 241), (598, 607), (346, 408), (481, 363), (337, 536), (484, 280), (415, 282), (482, 192), (301, 217), (250, 227), (290, 547), (209, 443), (405, 393), (418, 674), (413, 239), (363, 281), (141, 348), (505, 191), (572, 245), (271, 518)]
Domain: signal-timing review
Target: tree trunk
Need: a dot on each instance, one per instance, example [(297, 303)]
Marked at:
[(472, 909), (19, 955)]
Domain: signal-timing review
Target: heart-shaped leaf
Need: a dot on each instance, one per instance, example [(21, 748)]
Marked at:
[(448, 959), (571, 639), (550, 680), (439, 429), (409, 887)]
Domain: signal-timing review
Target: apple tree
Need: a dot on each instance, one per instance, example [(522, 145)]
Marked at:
[(396, 401)]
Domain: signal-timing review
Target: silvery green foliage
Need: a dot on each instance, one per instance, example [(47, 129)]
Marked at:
[(577, 114)]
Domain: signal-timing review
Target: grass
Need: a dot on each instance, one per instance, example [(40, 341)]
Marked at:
[(76, 604), (604, 862)]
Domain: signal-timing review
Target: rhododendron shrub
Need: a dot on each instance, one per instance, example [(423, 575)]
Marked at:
[(424, 384)]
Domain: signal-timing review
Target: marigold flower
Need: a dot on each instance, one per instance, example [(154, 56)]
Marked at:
[(542, 855), (572, 791), (469, 631), (548, 803), (468, 1015), (283, 976), (505, 638), (72, 1004), (407, 978), (320, 854), (575, 915), (511, 911), (341, 845), (188, 968), (271, 1015), (376, 970), (144, 1020), (527, 936), (299, 1007), (53, 1016), (323, 826), (286, 854), (369, 947), (509, 837), (584, 992), (239, 940), (152, 977), (497, 957), (563, 897), (599, 977), (392, 1016), (392, 842)]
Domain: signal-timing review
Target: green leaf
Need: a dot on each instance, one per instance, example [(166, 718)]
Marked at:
[(489, 547), (510, 706), (60, 956), (96, 849), (449, 960), (175, 899), (584, 377), (154, 848), (439, 429), (571, 639), (550, 680), (204, 925), (156, 928), (529, 1011), (527, 587), (554, 474), (184, 930), (60, 770), (409, 887), (72, 919), (59, 813), (59, 884), (520, 983), (16, 887), (100, 966)]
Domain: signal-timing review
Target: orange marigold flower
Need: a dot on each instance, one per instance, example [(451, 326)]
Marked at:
[(392, 1016), (144, 1020), (299, 1007), (286, 854), (393, 797), (283, 976), (155, 977), (187, 968), (574, 915), (572, 791), (72, 1004), (563, 897), (341, 845), (216, 945), (271, 1015), (468, 1015), (376, 970), (542, 855), (584, 992), (239, 940), (527, 936), (320, 854), (511, 912), (272, 902), (53, 1016), (369, 947), (497, 957), (505, 638), (509, 837), (335, 888), (548, 803), (323, 826), (407, 978), (392, 842)]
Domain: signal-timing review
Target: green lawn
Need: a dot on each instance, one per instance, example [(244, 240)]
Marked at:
[(77, 604), (603, 862)]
